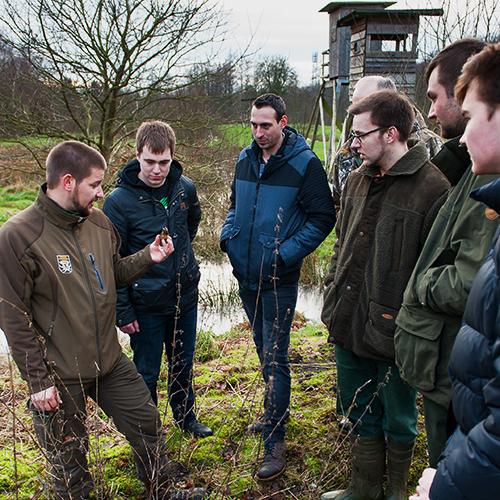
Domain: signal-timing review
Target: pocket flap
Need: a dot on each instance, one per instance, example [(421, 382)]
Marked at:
[(422, 324), (383, 317)]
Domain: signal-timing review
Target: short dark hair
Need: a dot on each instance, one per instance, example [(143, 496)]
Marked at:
[(272, 100), (484, 69), (156, 135), (74, 158), (387, 109), (451, 60)]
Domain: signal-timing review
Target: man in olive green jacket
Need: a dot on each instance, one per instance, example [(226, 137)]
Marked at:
[(59, 266), (435, 297), (387, 210)]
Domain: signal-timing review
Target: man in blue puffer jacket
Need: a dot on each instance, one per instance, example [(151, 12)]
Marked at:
[(281, 210), (469, 468), (160, 308)]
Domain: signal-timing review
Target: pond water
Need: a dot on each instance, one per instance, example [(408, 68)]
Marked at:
[(219, 319), (219, 305)]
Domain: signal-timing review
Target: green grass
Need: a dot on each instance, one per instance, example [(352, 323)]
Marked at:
[(14, 200), (27, 467), (229, 391), (236, 134), (240, 135), (31, 141), (316, 264)]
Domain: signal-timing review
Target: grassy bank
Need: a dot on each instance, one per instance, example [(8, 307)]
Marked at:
[(14, 199), (240, 134), (229, 396)]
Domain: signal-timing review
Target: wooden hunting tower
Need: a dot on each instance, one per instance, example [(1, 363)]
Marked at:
[(371, 38)]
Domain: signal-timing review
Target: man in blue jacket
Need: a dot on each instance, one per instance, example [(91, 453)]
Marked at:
[(281, 210), (160, 308)]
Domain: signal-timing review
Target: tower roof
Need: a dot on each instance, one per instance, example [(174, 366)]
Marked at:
[(401, 13), (337, 4)]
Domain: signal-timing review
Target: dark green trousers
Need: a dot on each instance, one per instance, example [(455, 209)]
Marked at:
[(374, 398), (436, 427), (123, 396)]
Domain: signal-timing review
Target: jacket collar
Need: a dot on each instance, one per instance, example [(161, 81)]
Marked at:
[(408, 164), (55, 213), (293, 144), (453, 160), (489, 194)]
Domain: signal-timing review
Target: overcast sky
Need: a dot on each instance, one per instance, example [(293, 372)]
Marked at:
[(293, 28)]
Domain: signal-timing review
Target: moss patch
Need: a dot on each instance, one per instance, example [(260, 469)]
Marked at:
[(229, 397)]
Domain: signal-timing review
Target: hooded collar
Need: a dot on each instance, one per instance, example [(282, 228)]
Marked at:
[(129, 175), (453, 160), (489, 194), (55, 213)]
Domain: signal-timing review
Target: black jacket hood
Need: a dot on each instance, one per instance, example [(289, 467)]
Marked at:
[(129, 174)]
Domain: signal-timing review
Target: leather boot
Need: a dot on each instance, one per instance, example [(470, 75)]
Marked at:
[(367, 476), (274, 462), (398, 465), (197, 429)]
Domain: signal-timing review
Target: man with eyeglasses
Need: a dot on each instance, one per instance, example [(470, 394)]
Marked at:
[(347, 160), (159, 310), (387, 209)]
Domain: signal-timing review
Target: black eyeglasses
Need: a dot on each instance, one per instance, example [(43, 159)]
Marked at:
[(354, 135)]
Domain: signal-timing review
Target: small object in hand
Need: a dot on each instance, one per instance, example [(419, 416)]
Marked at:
[(164, 234)]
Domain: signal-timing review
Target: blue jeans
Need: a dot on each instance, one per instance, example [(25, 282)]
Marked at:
[(270, 313), (373, 396), (179, 338)]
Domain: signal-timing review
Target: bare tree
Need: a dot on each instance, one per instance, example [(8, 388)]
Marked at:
[(274, 74), (108, 63), (460, 19)]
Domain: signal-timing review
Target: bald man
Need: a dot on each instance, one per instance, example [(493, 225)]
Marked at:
[(370, 84), (346, 160)]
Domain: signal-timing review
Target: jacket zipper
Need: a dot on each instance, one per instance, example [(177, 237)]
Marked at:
[(92, 297), (176, 195), (96, 271), (254, 209)]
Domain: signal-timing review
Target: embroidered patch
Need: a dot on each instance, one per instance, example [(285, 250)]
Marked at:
[(64, 264), (491, 214)]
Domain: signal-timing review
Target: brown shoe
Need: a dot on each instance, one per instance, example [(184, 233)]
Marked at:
[(274, 462)]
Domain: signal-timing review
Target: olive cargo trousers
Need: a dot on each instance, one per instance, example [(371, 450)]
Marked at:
[(123, 396)]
